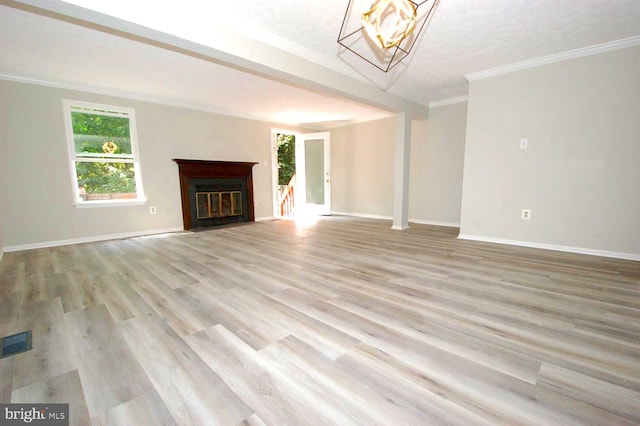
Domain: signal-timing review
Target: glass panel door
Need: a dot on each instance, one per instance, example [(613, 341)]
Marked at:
[(313, 191)]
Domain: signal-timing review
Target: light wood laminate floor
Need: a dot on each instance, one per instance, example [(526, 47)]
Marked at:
[(344, 322)]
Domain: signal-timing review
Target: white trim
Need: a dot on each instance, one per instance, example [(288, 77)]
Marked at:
[(108, 110), (558, 57), (92, 239), (115, 93), (94, 157), (449, 101), (265, 218), (111, 203), (363, 215), (273, 150), (1, 253), (94, 90), (69, 105), (239, 51), (435, 223), (568, 249), (400, 227)]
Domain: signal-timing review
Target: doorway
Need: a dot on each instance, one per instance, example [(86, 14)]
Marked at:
[(301, 173)]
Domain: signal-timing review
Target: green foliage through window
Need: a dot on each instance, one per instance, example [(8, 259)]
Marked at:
[(104, 159), (91, 131), (286, 158), (86, 144), (106, 178)]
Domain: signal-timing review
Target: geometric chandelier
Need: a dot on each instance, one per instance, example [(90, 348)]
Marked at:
[(384, 32)]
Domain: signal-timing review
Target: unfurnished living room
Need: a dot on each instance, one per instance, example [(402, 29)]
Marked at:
[(337, 212)]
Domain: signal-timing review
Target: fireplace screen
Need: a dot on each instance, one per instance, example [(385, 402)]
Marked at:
[(218, 204)]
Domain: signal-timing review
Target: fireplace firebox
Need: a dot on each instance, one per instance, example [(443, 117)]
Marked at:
[(215, 193)]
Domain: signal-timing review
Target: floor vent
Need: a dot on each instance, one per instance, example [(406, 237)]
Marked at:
[(15, 344)]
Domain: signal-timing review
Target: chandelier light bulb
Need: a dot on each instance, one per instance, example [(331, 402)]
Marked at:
[(388, 22), (384, 33)]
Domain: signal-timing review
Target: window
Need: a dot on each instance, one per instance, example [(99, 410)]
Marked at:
[(103, 154)]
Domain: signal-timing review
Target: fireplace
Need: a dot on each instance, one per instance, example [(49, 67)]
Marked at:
[(215, 193)]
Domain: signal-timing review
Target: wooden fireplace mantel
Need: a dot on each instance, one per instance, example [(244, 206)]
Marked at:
[(195, 169)]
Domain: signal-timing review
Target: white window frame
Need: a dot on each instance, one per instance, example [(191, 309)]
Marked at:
[(109, 110)]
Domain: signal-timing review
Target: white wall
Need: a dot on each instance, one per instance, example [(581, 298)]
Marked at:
[(35, 183), (362, 167), (437, 154), (362, 161), (581, 173)]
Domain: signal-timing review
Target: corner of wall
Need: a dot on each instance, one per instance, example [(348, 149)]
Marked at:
[(581, 190)]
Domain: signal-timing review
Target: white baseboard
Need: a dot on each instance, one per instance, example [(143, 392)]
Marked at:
[(417, 221), (363, 215), (435, 223), (568, 249), (91, 239), (400, 227)]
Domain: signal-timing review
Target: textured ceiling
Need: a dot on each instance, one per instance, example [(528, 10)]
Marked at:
[(464, 36)]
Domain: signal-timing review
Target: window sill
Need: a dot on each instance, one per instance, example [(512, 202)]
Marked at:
[(110, 203)]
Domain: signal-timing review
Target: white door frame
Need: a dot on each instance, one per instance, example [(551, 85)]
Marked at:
[(301, 193)]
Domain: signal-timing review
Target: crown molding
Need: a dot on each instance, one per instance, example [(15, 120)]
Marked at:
[(449, 101), (134, 97), (558, 57), (240, 51), (167, 102)]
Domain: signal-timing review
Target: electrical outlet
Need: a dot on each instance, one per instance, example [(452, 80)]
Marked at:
[(526, 214), (153, 210), (524, 143)]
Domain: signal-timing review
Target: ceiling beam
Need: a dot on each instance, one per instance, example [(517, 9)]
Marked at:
[(237, 51)]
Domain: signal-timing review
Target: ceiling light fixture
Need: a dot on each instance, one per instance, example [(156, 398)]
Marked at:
[(389, 21), (384, 32)]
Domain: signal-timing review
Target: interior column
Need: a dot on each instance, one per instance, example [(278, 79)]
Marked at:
[(401, 172)]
